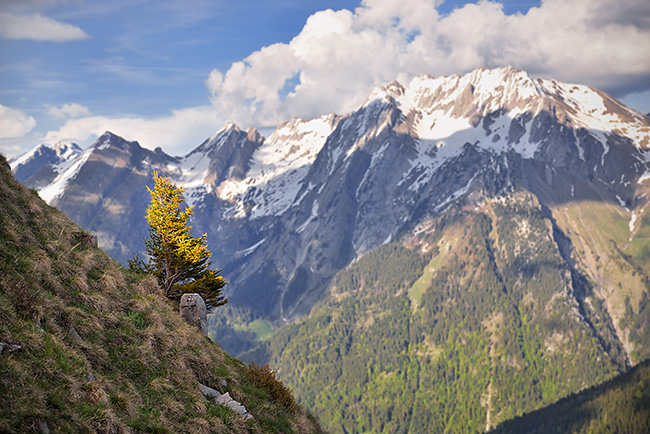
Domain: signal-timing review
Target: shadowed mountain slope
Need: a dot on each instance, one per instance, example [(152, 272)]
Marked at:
[(620, 405)]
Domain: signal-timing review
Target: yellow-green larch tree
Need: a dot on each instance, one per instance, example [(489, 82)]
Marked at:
[(177, 259)]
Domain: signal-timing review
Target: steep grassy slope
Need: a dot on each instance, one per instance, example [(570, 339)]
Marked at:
[(478, 318), (89, 348), (611, 249)]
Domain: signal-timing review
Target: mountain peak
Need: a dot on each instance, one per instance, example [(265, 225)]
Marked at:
[(253, 134), (387, 93), (109, 139), (28, 164), (109, 135), (229, 126)]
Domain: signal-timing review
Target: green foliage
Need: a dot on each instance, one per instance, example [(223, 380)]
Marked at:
[(137, 265), (639, 325), (177, 259)]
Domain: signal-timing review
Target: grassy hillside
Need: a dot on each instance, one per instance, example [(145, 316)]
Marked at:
[(90, 348), (477, 319)]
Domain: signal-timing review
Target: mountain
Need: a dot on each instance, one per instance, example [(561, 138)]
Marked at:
[(87, 347), (284, 214), (619, 405), (455, 252), (28, 164), (469, 322)]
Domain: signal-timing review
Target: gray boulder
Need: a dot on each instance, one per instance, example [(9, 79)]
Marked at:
[(43, 428), (193, 310)]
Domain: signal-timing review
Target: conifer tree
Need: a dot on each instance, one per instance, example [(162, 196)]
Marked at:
[(177, 259)]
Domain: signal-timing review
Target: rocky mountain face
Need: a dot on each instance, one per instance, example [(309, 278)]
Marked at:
[(474, 318), (285, 213), (28, 164)]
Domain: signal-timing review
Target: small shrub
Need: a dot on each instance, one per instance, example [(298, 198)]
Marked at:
[(137, 266), (264, 377)]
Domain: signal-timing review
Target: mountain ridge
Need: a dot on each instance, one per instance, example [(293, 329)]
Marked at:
[(318, 194)]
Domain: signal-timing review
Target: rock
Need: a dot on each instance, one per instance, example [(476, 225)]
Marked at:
[(209, 392), (193, 309), (236, 407), (224, 399), (223, 384), (90, 377), (73, 332), (2, 347), (43, 428)]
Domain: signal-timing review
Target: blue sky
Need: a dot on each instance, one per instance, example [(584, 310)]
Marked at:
[(169, 72)]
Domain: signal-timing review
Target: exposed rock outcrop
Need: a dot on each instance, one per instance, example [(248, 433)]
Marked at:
[(225, 400), (194, 311)]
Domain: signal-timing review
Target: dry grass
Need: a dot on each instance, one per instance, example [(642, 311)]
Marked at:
[(131, 365)]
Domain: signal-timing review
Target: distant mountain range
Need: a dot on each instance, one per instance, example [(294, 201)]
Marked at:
[(28, 164), (300, 205), (515, 206)]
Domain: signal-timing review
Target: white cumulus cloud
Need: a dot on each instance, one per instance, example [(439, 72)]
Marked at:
[(176, 133), (38, 28), (339, 55), (71, 110), (14, 123)]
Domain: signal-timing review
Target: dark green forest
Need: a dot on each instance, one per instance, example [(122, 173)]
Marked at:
[(621, 405), (473, 322)]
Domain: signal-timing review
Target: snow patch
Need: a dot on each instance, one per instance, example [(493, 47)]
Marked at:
[(621, 203), (250, 249), (67, 170), (314, 214), (644, 177), (632, 222), (279, 167)]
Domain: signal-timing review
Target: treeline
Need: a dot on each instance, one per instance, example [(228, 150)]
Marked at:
[(620, 405)]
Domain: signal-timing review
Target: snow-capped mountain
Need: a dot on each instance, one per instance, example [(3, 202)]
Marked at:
[(285, 213), (28, 164)]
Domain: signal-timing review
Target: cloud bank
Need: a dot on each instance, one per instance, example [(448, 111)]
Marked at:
[(71, 110), (38, 28), (339, 55), (14, 123)]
